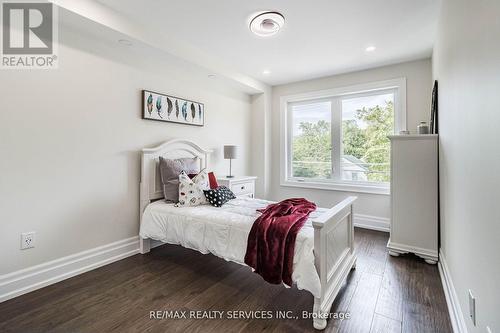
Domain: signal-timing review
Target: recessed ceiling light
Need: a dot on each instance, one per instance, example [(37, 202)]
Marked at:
[(267, 23), (370, 48), (266, 72), (212, 76), (125, 42)]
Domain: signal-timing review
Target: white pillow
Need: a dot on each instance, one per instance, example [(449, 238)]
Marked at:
[(191, 190)]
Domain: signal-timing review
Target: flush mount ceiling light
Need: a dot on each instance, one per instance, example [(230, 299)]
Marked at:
[(266, 72), (370, 48), (267, 24)]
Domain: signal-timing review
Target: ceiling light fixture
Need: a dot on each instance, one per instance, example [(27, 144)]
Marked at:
[(370, 48), (267, 24), (266, 72), (212, 76)]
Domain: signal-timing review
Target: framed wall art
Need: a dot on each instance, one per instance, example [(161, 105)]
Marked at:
[(160, 107), (434, 128)]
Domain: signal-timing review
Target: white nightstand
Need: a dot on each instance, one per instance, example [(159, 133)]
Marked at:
[(242, 186)]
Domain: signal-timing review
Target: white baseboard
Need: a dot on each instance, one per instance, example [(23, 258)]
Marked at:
[(23, 281), (372, 222), (456, 314)]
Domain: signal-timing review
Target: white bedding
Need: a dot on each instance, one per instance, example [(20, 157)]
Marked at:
[(223, 231)]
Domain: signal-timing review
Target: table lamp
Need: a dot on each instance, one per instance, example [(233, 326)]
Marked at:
[(230, 153)]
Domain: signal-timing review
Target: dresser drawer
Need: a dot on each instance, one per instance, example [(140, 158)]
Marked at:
[(242, 188)]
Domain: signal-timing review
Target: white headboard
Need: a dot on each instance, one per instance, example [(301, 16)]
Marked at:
[(151, 187)]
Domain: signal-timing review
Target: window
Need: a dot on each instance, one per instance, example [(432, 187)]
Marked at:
[(366, 123), (338, 139), (311, 140)]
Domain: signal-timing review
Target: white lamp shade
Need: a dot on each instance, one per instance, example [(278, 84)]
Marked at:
[(230, 152)]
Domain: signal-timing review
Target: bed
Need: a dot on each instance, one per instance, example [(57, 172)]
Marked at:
[(324, 252)]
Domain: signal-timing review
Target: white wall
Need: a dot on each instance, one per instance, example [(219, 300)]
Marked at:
[(418, 76), (260, 145), (70, 141), (466, 62)]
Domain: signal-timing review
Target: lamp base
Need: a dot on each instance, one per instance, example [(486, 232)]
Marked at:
[(230, 169)]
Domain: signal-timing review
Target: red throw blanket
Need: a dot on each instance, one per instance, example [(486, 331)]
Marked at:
[(271, 242)]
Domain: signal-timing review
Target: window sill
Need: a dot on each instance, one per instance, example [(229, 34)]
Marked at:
[(338, 186)]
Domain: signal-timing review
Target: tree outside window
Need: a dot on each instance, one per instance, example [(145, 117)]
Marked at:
[(365, 146)]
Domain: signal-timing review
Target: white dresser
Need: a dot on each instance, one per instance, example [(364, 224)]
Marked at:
[(243, 186), (414, 196)]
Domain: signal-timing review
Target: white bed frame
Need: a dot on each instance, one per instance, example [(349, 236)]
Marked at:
[(333, 230)]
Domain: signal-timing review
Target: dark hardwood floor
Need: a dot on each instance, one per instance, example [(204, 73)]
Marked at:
[(383, 294)]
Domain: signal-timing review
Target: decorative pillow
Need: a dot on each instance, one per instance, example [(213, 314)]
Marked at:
[(191, 190), (211, 179), (219, 196), (170, 171)]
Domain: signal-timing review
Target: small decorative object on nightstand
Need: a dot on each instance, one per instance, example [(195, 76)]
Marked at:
[(230, 153), (243, 186)]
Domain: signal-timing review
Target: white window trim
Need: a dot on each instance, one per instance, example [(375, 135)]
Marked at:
[(399, 85)]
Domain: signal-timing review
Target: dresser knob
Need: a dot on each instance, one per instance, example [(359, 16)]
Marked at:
[(243, 187)]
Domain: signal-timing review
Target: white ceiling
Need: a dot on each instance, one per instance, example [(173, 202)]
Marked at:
[(320, 37)]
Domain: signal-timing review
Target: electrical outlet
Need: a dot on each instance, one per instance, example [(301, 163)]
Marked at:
[(472, 307), (27, 240)]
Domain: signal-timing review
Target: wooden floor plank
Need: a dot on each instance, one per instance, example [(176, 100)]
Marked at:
[(381, 324), (390, 299), (383, 294), (344, 297), (421, 318), (362, 305)]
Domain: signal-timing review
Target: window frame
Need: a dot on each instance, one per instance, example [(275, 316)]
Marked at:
[(335, 95)]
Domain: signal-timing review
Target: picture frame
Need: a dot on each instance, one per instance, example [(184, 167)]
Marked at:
[(161, 107), (434, 126)]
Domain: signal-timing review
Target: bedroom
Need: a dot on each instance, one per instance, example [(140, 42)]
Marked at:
[(77, 139)]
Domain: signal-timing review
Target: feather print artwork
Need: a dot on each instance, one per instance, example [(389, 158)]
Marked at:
[(150, 103), (193, 111), (184, 110), (158, 106), (169, 107)]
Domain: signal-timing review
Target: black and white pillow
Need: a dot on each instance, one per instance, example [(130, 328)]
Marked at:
[(219, 196), (191, 190)]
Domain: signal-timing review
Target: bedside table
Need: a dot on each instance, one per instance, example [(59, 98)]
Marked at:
[(243, 186)]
